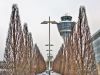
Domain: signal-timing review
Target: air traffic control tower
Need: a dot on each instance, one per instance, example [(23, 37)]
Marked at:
[(65, 26)]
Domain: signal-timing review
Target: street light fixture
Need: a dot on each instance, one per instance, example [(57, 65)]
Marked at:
[(46, 22), (48, 50), (48, 45)]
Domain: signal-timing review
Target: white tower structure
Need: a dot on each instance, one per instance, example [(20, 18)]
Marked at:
[(65, 26)]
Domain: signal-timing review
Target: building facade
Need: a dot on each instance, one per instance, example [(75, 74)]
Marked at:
[(96, 47)]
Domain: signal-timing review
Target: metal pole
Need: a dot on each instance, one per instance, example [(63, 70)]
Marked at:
[(49, 45)]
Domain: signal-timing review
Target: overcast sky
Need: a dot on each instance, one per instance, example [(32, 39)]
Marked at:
[(34, 12)]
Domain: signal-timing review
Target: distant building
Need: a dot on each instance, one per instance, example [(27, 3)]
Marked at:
[(96, 47), (65, 26)]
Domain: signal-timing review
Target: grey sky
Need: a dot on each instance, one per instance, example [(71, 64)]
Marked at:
[(35, 11)]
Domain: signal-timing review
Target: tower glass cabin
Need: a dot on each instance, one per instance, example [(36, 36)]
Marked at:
[(65, 26)]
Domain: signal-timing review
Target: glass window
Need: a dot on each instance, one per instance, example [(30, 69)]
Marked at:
[(97, 49), (96, 42), (98, 58)]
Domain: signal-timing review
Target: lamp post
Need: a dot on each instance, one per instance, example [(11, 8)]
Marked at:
[(46, 22)]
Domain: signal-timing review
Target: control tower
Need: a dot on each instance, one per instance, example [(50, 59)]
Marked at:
[(65, 26)]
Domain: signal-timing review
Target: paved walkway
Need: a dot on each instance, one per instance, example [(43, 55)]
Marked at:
[(52, 73)]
